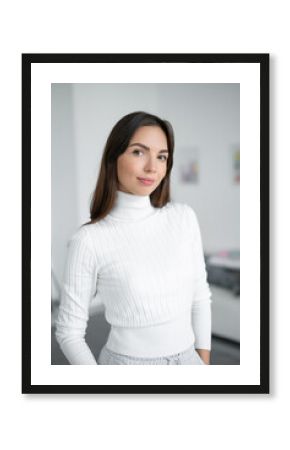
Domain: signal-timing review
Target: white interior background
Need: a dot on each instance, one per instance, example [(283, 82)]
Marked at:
[(248, 76), (115, 421)]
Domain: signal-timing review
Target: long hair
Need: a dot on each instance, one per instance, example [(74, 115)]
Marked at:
[(104, 195)]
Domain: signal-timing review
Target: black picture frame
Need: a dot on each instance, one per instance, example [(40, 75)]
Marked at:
[(262, 59)]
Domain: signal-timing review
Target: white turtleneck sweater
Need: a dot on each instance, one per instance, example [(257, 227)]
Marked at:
[(145, 265)]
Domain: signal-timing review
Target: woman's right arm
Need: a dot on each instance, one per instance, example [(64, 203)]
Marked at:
[(78, 289)]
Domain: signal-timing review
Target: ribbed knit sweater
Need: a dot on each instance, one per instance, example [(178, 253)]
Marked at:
[(145, 265)]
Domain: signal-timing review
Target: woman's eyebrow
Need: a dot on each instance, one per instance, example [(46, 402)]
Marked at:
[(146, 148)]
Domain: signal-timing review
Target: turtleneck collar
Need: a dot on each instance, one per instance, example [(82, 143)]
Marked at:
[(131, 207)]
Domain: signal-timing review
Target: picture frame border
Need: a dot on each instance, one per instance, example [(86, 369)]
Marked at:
[(211, 58)]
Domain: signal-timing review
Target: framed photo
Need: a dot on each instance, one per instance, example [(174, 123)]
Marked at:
[(218, 105)]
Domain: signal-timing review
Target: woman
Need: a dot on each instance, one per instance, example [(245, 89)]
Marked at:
[(140, 256)]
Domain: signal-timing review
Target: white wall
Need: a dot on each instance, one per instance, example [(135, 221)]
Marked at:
[(64, 215)]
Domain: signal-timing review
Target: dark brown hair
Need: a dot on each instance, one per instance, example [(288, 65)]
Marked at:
[(103, 197)]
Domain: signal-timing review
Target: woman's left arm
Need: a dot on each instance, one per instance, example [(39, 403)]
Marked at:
[(201, 305), (204, 354), (201, 324)]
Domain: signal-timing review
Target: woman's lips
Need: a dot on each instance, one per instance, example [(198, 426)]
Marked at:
[(146, 182)]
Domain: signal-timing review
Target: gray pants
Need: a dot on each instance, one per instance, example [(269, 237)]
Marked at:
[(189, 357)]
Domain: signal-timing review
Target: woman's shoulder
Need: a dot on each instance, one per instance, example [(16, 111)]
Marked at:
[(181, 209), (90, 235), (80, 235), (184, 215)]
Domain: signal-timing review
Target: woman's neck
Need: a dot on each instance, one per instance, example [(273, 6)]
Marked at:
[(131, 207)]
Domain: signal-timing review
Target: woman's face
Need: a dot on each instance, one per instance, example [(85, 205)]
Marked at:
[(144, 159)]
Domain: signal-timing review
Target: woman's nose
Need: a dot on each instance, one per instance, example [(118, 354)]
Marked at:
[(150, 164)]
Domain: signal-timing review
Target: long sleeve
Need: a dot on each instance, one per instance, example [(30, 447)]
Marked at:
[(201, 305), (78, 289), (201, 323)]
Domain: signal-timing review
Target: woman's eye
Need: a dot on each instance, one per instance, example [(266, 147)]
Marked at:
[(137, 151)]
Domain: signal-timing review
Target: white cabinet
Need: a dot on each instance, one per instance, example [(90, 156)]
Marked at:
[(225, 313)]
